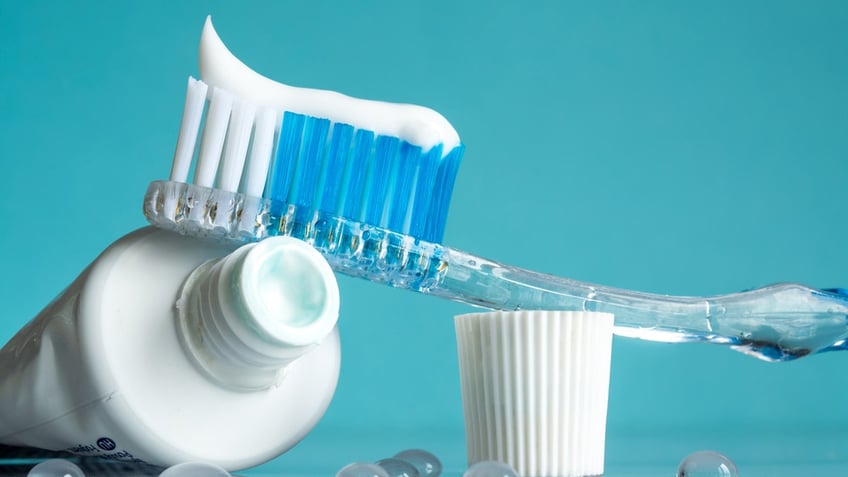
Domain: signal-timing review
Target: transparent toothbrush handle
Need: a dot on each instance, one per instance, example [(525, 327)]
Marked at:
[(776, 323)]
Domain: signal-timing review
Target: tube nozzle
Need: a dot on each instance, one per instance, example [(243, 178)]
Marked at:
[(244, 317)]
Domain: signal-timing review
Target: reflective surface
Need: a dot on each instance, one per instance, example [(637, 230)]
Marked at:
[(756, 453)]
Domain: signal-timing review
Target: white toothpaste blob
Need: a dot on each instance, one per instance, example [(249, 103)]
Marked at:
[(169, 349), (417, 125)]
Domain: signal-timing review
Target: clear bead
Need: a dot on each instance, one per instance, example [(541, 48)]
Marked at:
[(490, 468), (56, 468), (362, 469), (194, 469), (398, 467), (707, 464), (428, 465)]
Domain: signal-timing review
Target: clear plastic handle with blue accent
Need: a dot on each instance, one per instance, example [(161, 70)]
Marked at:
[(775, 323)]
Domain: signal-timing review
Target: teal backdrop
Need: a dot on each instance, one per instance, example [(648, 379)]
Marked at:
[(686, 148)]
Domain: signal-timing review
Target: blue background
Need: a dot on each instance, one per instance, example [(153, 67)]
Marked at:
[(671, 147)]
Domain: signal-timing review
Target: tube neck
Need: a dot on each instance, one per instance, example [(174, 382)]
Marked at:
[(244, 317)]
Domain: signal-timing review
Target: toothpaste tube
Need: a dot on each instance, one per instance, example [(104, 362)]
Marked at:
[(169, 349)]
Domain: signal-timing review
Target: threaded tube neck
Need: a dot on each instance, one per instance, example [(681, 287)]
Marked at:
[(244, 317)]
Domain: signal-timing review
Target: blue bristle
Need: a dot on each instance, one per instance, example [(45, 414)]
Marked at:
[(310, 158), (400, 188), (385, 154), (288, 148), (356, 175), (379, 180), (843, 292), (337, 157), (445, 179), (425, 180)]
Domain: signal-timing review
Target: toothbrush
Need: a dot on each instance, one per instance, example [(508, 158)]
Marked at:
[(368, 184)]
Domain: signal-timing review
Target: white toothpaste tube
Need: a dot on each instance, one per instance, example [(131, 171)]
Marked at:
[(169, 349)]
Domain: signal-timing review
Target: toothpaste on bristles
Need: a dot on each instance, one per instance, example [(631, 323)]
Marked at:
[(383, 164)]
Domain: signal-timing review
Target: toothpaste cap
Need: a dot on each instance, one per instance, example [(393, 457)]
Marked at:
[(534, 389)]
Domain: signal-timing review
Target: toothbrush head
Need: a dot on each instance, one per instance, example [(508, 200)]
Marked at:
[(374, 205), (368, 183), (385, 165), (250, 154)]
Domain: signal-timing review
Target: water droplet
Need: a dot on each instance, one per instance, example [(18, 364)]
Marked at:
[(194, 469), (707, 464), (589, 303), (398, 467), (362, 469), (427, 464), (490, 468), (56, 468)]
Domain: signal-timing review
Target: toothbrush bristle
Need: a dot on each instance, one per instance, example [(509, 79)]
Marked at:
[(214, 135), (260, 153), (317, 165), (192, 113), (238, 140)]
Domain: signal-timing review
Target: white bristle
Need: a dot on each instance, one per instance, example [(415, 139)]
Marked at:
[(192, 113), (214, 133), (238, 140), (260, 154)]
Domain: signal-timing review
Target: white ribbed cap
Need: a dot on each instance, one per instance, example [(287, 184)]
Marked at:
[(534, 389)]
